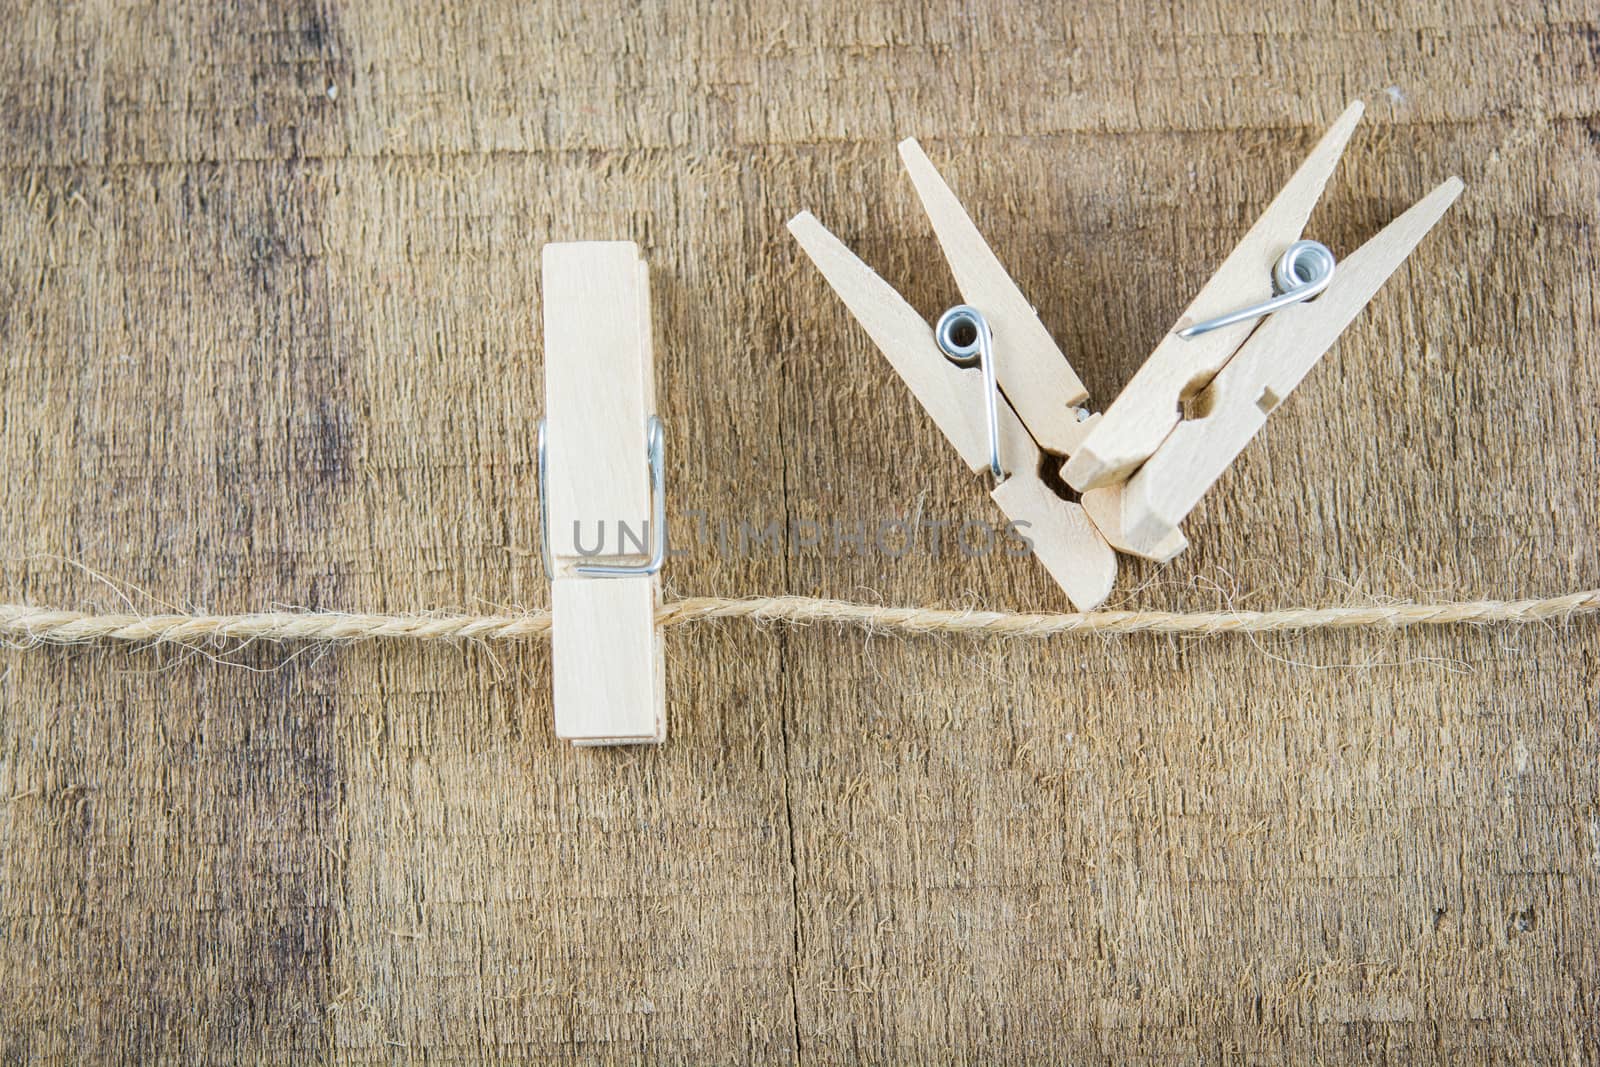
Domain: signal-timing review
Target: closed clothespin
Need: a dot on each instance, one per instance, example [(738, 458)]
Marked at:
[(602, 500), (991, 378), (1253, 332)]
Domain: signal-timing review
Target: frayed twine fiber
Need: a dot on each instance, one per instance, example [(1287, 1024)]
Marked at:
[(25, 625)]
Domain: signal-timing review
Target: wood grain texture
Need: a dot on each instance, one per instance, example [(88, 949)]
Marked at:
[(269, 315)]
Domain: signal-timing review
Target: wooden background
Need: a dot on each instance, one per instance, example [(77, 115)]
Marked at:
[(269, 335)]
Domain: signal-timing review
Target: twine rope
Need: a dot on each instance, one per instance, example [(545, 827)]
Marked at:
[(25, 625)]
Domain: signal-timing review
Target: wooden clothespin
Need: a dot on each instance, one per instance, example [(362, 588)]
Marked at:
[(602, 500), (1248, 338), (991, 378)]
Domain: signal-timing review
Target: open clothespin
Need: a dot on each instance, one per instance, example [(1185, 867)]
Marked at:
[(601, 496), (1270, 312), (990, 376)]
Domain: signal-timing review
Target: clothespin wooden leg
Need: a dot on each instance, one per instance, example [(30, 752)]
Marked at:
[(601, 495)]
